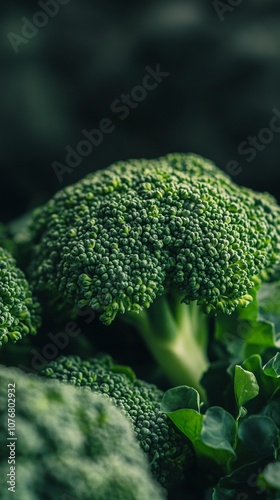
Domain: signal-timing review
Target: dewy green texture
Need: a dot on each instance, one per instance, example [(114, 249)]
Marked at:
[(71, 444), (19, 311), (142, 236), (170, 454)]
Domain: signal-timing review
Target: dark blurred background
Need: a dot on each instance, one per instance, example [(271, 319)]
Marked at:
[(64, 76)]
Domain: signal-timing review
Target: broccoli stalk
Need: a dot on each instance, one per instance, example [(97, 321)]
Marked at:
[(176, 335)]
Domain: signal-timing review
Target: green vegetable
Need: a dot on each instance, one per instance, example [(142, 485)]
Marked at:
[(143, 237), (237, 445), (254, 329), (70, 444), (169, 454), (19, 311)]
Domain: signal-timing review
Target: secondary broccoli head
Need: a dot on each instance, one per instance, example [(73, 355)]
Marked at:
[(71, 444), (170, 454), (19, 311), (125, 235)]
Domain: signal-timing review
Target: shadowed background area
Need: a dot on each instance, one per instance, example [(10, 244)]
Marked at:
[(220, 89)]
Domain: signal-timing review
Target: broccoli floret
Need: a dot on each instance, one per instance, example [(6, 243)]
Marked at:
[(19, 311), (170, 454), (70, 444), (144, 236)]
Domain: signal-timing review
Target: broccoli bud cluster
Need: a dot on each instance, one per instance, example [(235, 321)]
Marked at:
[(127, 234), (170, 453), (70, 445), (19, 311)]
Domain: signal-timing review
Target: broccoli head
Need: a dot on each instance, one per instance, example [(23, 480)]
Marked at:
[(170, 454), (70, 444), (19, 311), (142, 237)]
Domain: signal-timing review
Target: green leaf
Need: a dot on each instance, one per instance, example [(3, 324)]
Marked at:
[(126, 370), (212, 436), (219, 430), (180, 397), (243, 337), (272, 410), (189, 422), (223, 494), (245, 386), (269, 303), (260, 333), (253, 329), (272, 367), (270, 477), (259, 434), (240, 484), (268, 378), (254, 364)]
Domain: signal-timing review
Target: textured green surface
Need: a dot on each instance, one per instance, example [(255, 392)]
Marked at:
[(169, 452), (70, 444), (124, 235), (19, 311)]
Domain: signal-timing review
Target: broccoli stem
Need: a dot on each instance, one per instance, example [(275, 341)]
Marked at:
[(176, 335)]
